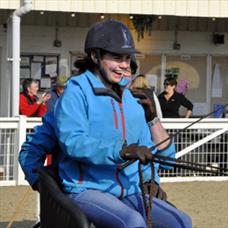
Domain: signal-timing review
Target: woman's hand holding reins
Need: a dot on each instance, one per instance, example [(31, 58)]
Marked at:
[(134, 152)]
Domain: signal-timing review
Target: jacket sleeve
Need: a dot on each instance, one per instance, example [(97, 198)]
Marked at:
[(146, 140), (72, 130), (169, 151), (158, 106), (36, 147), (25, 108), (42, 110), (186, 103)]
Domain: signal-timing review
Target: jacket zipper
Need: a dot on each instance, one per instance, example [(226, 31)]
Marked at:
[(116, 126), (115, 114), (124, 137), (123, 122)]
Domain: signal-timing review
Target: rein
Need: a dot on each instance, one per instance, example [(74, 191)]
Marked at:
[(165, 160), (126, 164), (147, 204)]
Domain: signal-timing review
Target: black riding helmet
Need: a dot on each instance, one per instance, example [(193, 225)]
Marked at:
[(112, 36)]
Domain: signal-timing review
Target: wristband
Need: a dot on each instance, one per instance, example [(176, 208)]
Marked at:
[(153, 121)]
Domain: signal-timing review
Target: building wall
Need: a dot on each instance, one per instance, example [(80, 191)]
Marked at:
[(39, 39)]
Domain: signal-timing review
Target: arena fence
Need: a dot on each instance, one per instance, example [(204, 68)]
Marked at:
[(205, 142)]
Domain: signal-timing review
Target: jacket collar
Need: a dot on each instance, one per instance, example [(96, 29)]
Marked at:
[(99, 88)]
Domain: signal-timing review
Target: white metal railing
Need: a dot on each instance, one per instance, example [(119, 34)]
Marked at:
[(13, 133), (205, 142)]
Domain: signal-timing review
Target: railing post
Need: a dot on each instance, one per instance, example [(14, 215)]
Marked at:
[(208, 82), (21, 134), (163, 67)]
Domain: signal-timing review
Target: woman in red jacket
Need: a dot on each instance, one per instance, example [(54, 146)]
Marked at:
[(30, 104)]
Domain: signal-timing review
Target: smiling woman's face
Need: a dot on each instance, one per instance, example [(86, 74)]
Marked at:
[(116, 66), (33, 89)]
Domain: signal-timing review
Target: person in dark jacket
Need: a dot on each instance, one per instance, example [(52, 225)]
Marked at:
[(38, 145), (56, 92), (30, 104), (171, 101)]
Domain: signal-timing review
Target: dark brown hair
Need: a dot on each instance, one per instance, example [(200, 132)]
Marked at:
[(171, 81)]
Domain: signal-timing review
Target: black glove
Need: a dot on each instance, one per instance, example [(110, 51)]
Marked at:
[(146, 99), (134, 151), (36, 186), (157, 191)]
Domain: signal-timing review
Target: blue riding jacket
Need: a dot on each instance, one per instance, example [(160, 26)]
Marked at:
[(43, 141), (92, 124)]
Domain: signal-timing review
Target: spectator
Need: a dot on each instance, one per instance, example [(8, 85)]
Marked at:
[(141, 89), (56, 92), (171, 101), (30, 104), (182, 86), (141, 83)]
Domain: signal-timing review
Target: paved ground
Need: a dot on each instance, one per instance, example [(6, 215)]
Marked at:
[(205, 202)]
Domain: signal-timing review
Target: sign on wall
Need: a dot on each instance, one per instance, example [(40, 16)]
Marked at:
[(42, 67)]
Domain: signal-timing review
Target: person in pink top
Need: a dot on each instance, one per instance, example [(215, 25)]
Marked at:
[(182, 86)]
